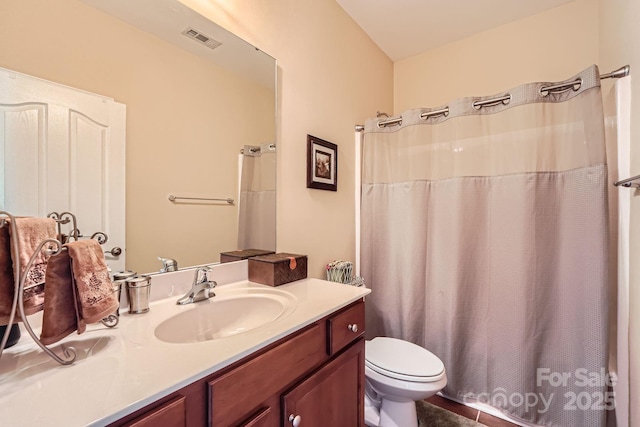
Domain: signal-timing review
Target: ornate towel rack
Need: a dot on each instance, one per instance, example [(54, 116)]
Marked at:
[(66, 218), (53, 247)]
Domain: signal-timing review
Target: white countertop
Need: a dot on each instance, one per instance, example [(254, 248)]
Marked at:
[(120, 370)]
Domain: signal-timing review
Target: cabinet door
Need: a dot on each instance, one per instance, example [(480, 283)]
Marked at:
[(332, 396)]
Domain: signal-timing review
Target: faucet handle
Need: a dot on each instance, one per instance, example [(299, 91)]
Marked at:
[(205, 271)]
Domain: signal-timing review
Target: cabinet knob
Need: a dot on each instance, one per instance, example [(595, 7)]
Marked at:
[(353, 327), (295, 420)]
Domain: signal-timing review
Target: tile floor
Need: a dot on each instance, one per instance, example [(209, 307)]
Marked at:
[(465, 411)]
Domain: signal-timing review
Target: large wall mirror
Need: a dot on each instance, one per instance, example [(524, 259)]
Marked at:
[(200, 117)]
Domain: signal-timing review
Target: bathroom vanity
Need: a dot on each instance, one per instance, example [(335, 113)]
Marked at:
[(304, 368), (312, 377)]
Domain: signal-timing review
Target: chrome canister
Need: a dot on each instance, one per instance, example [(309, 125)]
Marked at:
[(138, 291), (119, 280)]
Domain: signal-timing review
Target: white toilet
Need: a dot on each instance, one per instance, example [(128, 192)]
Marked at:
[(397, 374)]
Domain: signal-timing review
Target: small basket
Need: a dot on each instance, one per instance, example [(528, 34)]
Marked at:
[(341, 272)]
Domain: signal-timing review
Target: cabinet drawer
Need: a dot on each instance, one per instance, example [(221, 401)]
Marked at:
[(345, 327), (242, 390), (171, 414)]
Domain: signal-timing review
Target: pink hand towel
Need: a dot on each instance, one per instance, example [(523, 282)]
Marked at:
[(30, 233), (93, 290)]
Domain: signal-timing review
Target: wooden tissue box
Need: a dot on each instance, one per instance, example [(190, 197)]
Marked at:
[(277, 269), (243, 254)]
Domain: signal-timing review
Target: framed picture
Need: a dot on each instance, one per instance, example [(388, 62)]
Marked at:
[(322, 164)]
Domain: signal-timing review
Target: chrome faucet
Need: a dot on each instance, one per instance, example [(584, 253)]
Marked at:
[(168, 265), (201, 289)]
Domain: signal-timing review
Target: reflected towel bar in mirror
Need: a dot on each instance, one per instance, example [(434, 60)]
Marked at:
[(628, 182), (209, 199)]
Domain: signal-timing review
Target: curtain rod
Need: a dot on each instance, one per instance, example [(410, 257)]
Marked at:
[(620, 72), (616, 74)]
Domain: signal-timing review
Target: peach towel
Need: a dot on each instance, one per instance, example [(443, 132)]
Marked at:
[(30, 233), (93, 290), (78, 292)]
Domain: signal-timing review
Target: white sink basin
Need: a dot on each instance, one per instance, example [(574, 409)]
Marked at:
[(230, 312)]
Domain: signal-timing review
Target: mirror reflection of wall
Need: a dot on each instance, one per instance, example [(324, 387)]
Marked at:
[(187, 117)]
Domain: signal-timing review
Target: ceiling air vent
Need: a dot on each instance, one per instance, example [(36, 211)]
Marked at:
[(201, 38)]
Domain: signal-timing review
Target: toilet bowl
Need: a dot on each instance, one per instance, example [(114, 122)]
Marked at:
[(398, 373)]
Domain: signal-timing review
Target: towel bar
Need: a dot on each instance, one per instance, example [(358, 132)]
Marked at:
[(629, 182), (209, 199)]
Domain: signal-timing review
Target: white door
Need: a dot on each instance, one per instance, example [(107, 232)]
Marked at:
[(63, 150)]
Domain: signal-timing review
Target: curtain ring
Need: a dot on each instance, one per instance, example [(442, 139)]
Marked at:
[(562, 87)]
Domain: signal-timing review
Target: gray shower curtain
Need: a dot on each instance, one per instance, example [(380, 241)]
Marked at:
[(484, 239)]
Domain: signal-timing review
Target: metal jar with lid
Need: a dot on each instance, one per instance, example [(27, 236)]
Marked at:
[(119, 280), (121, 276), (138, 291)]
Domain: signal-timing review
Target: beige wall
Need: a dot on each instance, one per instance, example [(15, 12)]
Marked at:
[(186, 120), (619, 45), (332, 77), (550, 46)]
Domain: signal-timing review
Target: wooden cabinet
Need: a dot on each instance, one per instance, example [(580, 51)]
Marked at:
[(315, 374)]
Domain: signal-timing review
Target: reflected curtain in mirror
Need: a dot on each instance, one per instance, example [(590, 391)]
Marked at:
[(257, 198)]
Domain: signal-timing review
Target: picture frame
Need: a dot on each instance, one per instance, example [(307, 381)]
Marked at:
[(322, 164)]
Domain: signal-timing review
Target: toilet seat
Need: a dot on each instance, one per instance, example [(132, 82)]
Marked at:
[(403, 360)]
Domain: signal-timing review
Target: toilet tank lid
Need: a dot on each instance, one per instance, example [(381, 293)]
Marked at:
[(402, 357)]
